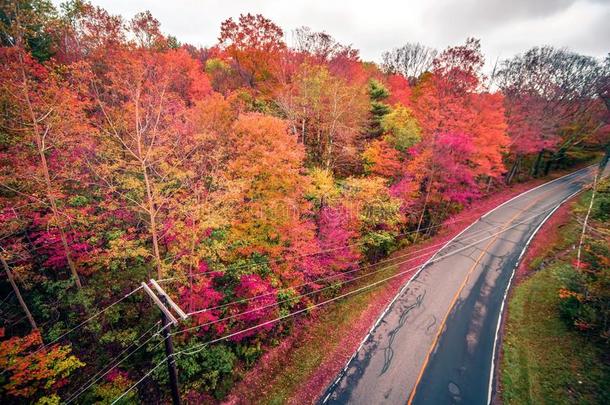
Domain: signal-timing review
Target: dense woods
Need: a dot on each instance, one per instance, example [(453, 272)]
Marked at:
[(250, 178)]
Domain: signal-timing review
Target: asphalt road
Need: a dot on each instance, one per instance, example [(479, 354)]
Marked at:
[(436, 342)]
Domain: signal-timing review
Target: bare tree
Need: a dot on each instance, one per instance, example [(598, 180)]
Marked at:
[(410, 60), (319, 44), (567, 86)]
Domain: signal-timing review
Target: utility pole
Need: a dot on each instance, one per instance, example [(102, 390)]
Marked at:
[(11, 280), (171, 361), (164, 301)]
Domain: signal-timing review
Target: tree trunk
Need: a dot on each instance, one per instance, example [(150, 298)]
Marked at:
[(40, 144), (536, 167), (152, 215), (423, 211), (11, 279), (329, 153), (548, 165), (604, 161), (489, 181), (512, 171)]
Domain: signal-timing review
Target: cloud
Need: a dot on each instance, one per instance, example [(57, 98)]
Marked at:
[(504, 27)]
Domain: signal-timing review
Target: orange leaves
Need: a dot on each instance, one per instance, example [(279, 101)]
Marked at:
[(264, 149), (266, 167), (32, 371), (489, 132), (564, 293), (381, 159), (213, 116), (254, 44)]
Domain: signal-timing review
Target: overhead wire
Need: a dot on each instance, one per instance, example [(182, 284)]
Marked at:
[(197, 348)]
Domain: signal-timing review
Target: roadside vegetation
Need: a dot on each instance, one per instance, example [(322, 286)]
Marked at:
[(556, 346), (254, 178)]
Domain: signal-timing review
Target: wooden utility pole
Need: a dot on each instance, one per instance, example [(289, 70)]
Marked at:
[(164, 301), (171, 361), (11, 280)]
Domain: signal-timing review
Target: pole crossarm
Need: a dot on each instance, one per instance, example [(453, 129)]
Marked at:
[(160, 304), (171, 303)]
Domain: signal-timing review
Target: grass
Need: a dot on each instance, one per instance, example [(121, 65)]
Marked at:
[(545, 362), (322, 337)]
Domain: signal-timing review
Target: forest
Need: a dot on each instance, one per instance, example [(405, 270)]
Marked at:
[(252, 179)]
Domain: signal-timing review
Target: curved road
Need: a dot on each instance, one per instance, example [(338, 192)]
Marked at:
[(436, 342)]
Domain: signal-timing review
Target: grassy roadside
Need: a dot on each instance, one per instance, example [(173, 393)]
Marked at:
[(545, 361), (326, 333)]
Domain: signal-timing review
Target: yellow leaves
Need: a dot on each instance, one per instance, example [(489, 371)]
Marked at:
[(368, 199), (326, 112), (132, 184), (213, 65), (401, 128), (123, 249), (364, 188), (52, 399), (322, 187)]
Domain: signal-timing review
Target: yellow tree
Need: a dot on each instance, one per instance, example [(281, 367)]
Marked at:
[(327, 114)]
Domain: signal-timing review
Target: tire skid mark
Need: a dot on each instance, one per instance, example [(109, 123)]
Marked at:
[(388, 352)]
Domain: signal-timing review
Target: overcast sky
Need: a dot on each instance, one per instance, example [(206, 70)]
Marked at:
[(505, 27)]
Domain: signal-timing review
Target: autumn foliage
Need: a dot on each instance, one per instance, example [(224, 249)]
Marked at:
[(254, 177)]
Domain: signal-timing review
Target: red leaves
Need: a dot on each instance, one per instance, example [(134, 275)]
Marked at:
[(254, 43), (49, 244), (259, 297), (460, 67), (455, 180), (202, 295), (400, 90), (336, 238)]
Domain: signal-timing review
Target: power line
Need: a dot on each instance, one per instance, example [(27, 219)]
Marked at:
[(96, 377), (201, 346), (586, 220), (319, 252), (90, 382), (291, 258), (337, 275), (46, 345), (277, 319), (9, 295), (365, 275), (117, 399)]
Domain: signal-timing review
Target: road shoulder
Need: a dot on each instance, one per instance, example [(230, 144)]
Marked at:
[(542, 359)]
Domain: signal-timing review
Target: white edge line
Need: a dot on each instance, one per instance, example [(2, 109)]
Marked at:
[(537, 187), (389, 306), (422, 267), (500, 316)]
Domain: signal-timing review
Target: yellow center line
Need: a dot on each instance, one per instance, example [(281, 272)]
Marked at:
[(459, 292)]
